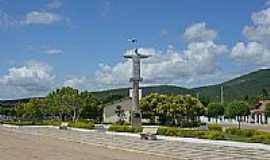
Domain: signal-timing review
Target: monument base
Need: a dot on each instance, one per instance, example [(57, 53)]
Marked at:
[(136, 119)]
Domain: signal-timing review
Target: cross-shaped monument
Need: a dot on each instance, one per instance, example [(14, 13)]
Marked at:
[(136, 79)]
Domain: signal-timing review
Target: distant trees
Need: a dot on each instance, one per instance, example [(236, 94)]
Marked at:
[(35, 109), (215, 110), (7, 111), (65, 103), (176, 110), (237, 109)]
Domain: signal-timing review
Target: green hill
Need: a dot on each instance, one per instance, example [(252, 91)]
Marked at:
[(115, 94), (249, 85)]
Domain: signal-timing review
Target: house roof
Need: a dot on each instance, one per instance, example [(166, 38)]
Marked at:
[(260, 106)]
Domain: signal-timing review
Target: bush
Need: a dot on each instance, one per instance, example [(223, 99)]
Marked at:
[(214, 127), (261, 138), (171, 131), (216, 135), (124, 128), (82, 124), (187, 124), (241, 132)]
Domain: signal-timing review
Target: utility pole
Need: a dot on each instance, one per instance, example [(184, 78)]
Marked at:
[(222, 94), (136, 57)]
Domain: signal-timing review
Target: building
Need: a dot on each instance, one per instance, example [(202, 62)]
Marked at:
[(258, 114), (109, 115)]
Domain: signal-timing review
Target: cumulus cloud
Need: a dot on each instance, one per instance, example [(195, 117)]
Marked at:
[(257, 48), (199, 32), (36, 17), (188, 67), (76, 82), (184, 67), (251, 52), (33, 79), (260, 30)]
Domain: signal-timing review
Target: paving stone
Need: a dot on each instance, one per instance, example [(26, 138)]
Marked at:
[(179, 150)]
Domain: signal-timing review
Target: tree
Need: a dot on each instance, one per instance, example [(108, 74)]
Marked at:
[(215, 110), (149, 103), (57, 104), (91, 107), (71, 103), (237, 109), (264, 93), (35, 109), (172, 109), (204, 100)]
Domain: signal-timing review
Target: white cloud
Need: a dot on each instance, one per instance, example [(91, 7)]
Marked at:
[(199, 32), (251, 52), (257, 49), (171, 67), (260, 30), (36, 17), (78, 83), (33, 79), (55, 4), (188, 67)]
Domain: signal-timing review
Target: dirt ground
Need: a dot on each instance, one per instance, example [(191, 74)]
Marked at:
[(17, 146)]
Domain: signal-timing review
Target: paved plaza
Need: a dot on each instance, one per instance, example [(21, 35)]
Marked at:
[(161, 148)]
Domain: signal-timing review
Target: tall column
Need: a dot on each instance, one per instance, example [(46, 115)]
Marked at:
[(136, 79)]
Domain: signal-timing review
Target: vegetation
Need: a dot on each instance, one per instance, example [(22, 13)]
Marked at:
[(124, 128), (237, 109), (8, 111), (62, 104), (250, 135), (173, 110), (82, 124), (214, 127), (215, 110), (203, 134)]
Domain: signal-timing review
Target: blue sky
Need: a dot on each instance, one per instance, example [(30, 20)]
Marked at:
[(47, 44)]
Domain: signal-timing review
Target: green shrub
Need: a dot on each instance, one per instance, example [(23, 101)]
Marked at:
[(82, 124), (124, 128), (241, 132), (214, 127), (216, 135), (261, 138), (171, 131)]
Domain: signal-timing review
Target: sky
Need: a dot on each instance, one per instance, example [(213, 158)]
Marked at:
[(48, 44)]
